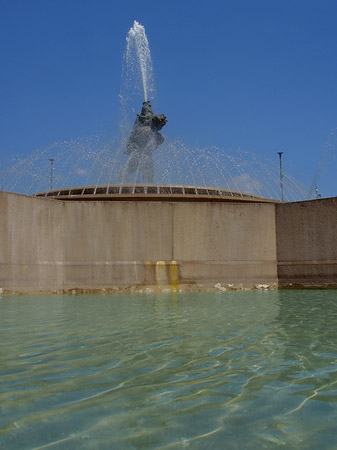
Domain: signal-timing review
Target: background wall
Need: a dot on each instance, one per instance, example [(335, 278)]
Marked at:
[(31, 243), (47, 244), (307, 243)]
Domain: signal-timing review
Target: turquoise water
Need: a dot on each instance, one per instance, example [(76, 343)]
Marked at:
[(233, 370)]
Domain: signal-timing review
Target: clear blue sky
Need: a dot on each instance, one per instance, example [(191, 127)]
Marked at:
[(260, 75)]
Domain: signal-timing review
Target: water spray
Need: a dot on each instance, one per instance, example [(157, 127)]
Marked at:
[(51, 172), (138, 43), (91, 162), (281, 173)]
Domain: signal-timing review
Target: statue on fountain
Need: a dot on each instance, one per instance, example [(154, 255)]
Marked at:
[(143, 141)]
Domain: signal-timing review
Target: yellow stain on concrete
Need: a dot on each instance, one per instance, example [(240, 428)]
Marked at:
[(174, 276), (166, 274), (161, 275)]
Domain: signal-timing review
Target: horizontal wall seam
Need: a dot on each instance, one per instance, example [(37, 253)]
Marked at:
[(307, 263), (251, 262), (115, 263)]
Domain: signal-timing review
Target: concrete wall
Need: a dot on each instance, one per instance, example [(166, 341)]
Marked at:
[(307, 243), (47, 244), (225, 242), (31, 243)]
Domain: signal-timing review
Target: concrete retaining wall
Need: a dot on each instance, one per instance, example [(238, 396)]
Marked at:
[(47, 244), (307, 243), (31, 243)]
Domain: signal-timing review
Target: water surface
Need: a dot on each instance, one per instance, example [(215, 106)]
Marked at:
[(234, 370)]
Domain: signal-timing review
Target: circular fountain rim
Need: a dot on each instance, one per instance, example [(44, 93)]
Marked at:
[(150, 192)]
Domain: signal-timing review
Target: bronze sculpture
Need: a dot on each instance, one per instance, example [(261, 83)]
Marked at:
[(144, 139)]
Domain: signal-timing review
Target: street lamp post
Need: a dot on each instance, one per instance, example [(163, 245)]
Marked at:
[(281, 173), (317, 194), (51, 172)]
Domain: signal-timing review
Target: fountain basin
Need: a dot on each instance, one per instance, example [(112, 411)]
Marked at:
[(165, 241), (160, 192)]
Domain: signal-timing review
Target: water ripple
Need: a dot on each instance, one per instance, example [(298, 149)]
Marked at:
[(252, 369)]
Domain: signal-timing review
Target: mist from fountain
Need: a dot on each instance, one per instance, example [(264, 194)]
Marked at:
[(94, 161), (328, 155)]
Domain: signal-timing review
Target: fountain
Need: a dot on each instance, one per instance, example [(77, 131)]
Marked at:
[(94, 166), (209, 218)]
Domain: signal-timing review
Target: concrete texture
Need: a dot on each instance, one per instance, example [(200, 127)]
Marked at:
[(47, 244), (51, 245), (31, 243), (307, 243), (225, 242)]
